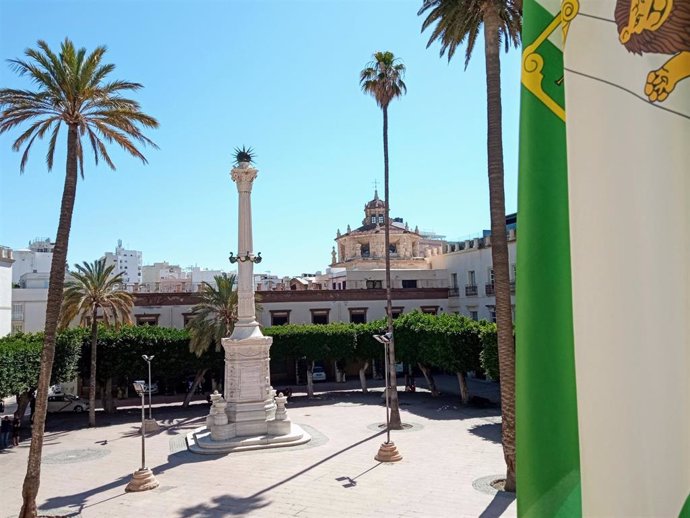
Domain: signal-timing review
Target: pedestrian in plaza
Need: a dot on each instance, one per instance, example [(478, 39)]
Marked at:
[(5, 432), (16, 424)]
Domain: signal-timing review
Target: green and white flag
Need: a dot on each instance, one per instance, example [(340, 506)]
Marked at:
[(603, 287)]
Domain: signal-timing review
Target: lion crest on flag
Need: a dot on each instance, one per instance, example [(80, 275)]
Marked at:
[(662, 27)]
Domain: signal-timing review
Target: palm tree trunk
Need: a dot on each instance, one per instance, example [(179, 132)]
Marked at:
[(92, 374), (190, 393), (32, 480), (499, 242), (395, 422)]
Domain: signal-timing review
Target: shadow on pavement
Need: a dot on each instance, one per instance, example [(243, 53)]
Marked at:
[(230, 505), (78, 499), (226, 505), (498, 505), (489, 431)]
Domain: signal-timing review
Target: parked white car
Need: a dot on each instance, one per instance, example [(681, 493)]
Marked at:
[(318, 374), (67, 403)]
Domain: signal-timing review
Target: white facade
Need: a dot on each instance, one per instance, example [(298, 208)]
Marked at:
[(469, 267), (35, 259), (157, 272), (127, 262), (29, 309), (5, 290)]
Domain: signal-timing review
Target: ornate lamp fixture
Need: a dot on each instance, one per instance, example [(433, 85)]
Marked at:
[(256, 259)]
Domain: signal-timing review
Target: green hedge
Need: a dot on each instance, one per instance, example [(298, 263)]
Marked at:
[(20, 359), (119, 354)]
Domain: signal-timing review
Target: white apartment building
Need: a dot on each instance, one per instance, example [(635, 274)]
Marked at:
[(33, 260), (127, 262), (470, 269), (6, 261), (29, 309)]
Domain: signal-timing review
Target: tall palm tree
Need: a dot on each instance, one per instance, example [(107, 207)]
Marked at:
[(457, 21), (213, 318), (93, 287), (383, 80), (71, 89)]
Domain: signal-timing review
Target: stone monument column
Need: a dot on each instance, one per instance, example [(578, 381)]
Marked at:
[(248, 389)]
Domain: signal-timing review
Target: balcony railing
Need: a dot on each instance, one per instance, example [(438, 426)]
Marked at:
[(489, 289), (454, 292), (470, 290)]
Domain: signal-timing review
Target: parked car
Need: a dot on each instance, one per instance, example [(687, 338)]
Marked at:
[(154, 386), (318, 374), (66, 403)]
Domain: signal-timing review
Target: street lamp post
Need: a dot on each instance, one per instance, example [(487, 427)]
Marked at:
[(149, 359), (150, 424), (143, 478), (388, 451)]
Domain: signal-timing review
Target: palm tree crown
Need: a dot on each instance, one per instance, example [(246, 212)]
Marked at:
[(383, 78), (72, 89), (93, 287), (213, 318), (457, 21)]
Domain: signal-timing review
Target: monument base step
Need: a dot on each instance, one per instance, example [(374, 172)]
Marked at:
[(200, 441)]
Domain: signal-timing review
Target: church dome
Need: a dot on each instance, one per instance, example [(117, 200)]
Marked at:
[(376, 203)]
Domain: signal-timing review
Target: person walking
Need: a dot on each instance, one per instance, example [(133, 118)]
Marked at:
[(5, 432), (16, 425)]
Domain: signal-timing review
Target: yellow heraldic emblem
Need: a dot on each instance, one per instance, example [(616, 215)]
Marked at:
[(533, 62), (661, 27)]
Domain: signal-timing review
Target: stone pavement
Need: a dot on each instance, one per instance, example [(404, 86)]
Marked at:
[(447, 449)]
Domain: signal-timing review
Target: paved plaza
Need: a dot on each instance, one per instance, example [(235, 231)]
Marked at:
[(449, 454)]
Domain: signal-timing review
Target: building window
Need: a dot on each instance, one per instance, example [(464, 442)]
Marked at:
[(333, 285), (471, 278), (454, 280), (490, 275), (374, 285), (17, 327), (474, 315), (344, 283), (429, 310), (280, 318), (396, 311), (409, 283), (373, 220), (186, 317), (492, 313), (17, 311), (380, 218), (358, 315), (319, 316), (393, 248), (365, 250), (147, 320)]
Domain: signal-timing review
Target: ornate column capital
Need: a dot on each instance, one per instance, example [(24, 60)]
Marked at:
[(244, 175)]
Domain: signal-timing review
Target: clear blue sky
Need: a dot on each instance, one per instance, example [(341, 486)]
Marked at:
[(280, 76)]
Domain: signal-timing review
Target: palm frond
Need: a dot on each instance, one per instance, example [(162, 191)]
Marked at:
[(72, 86), (93, 285), (382, 78), (458, 22)]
